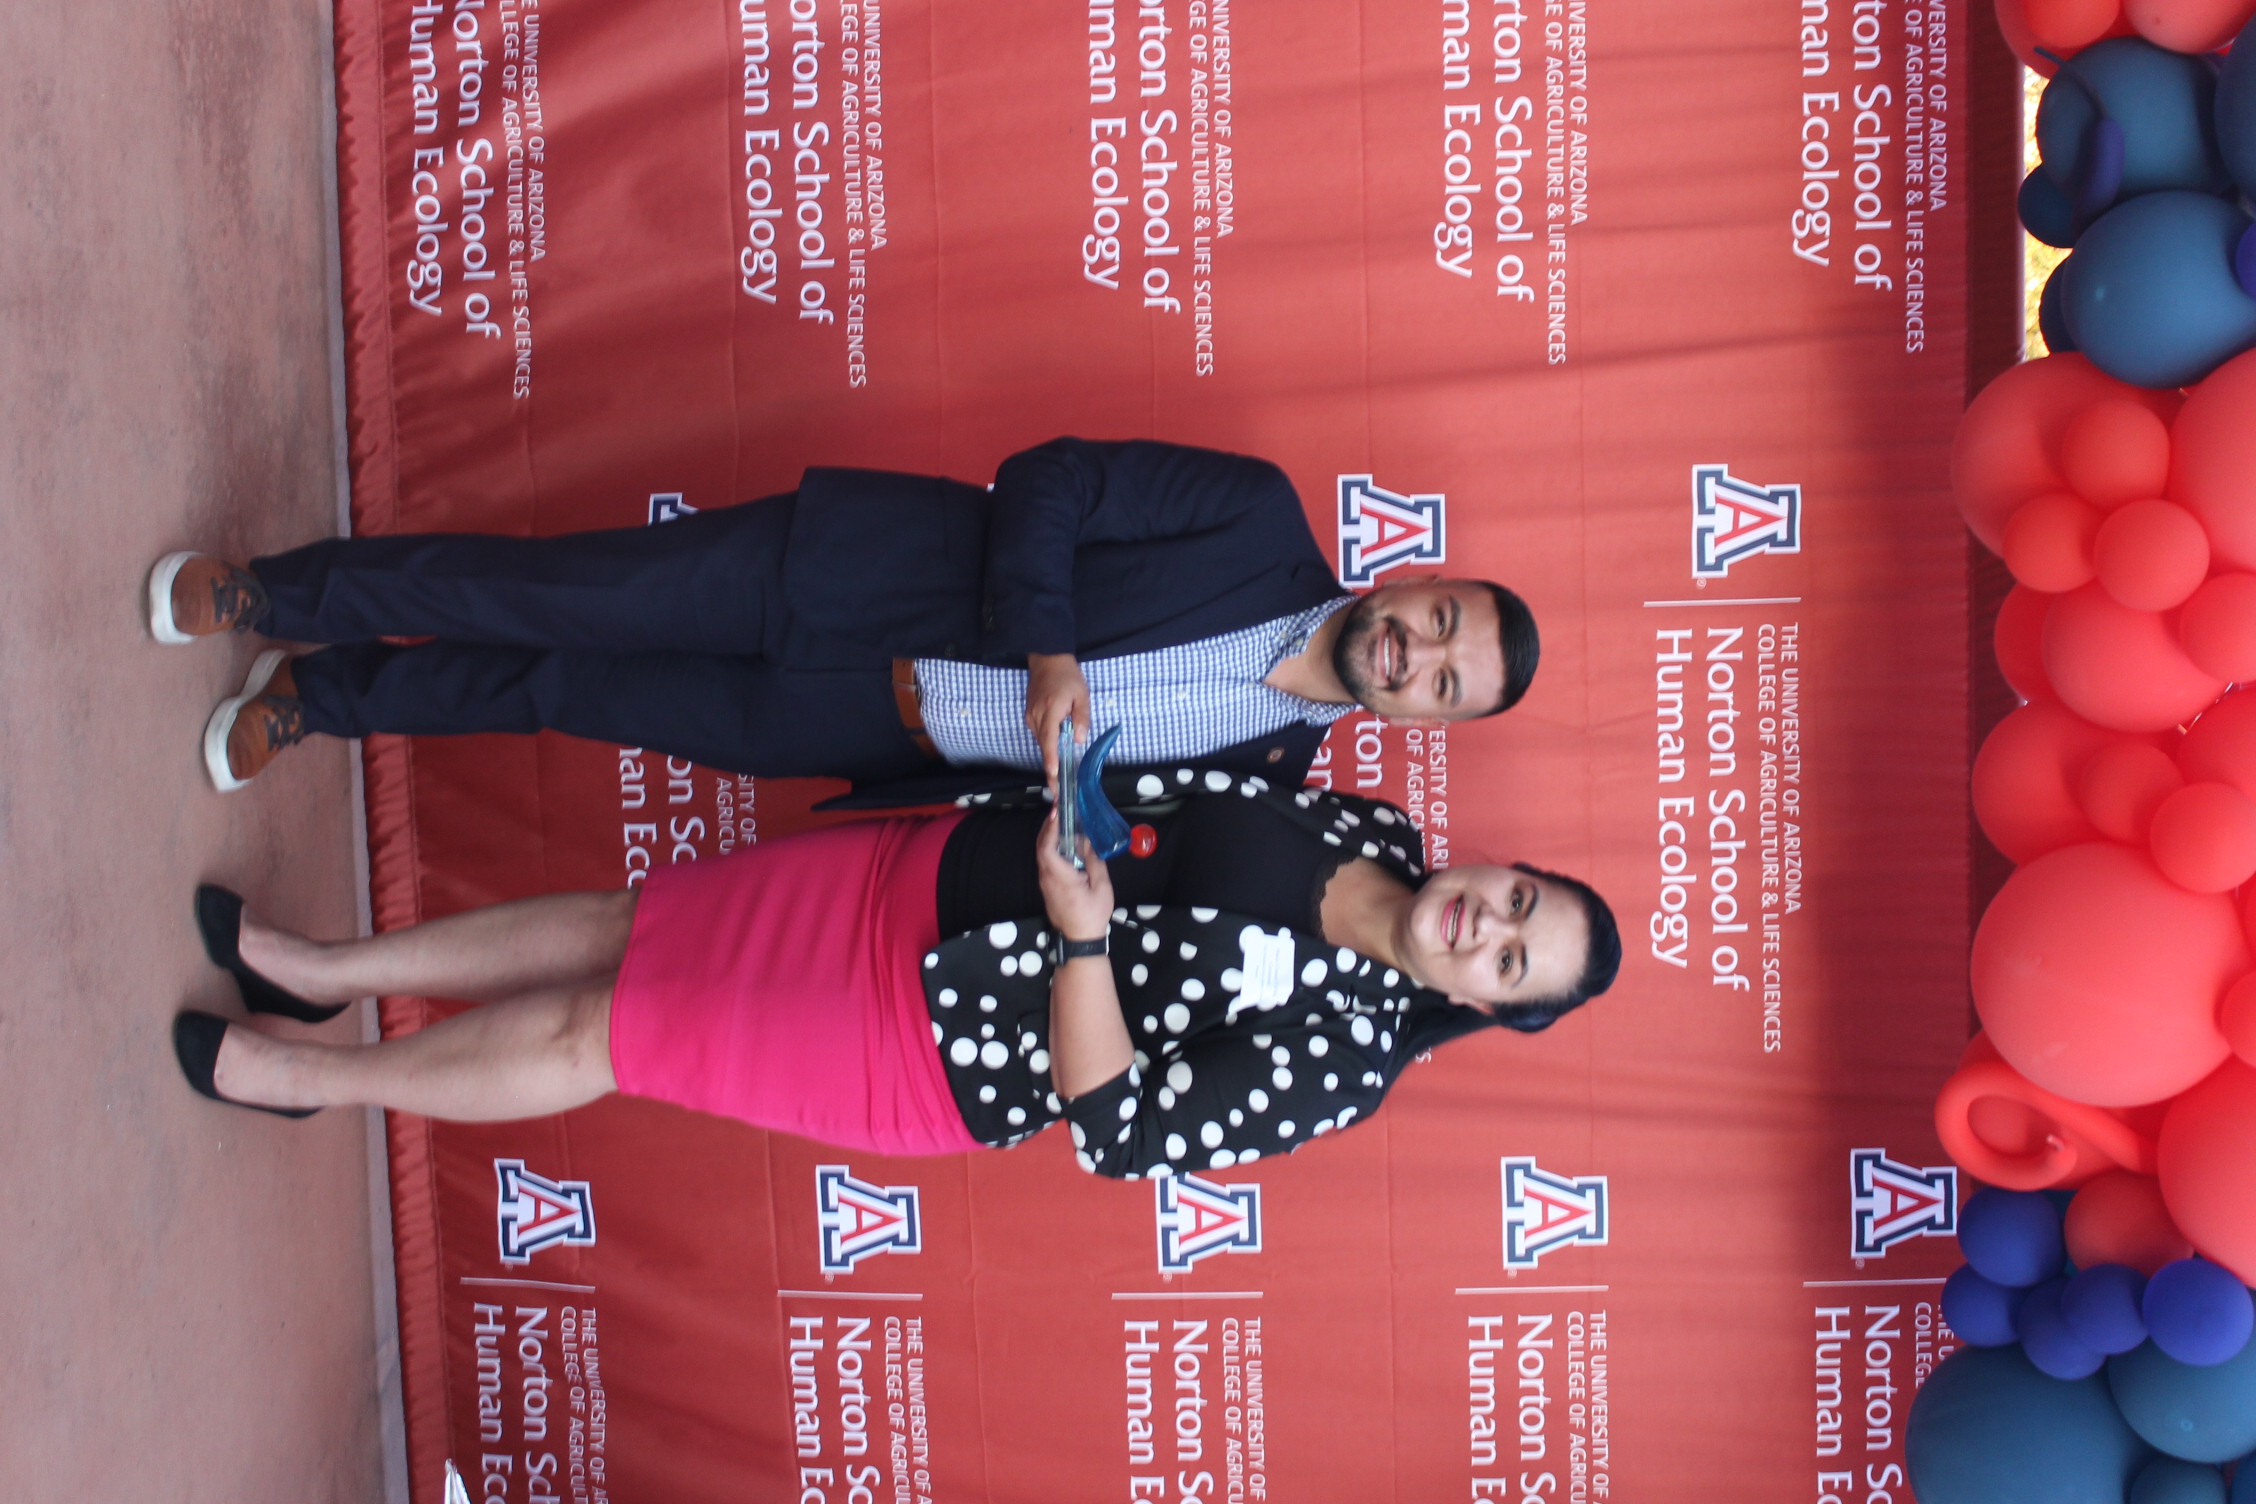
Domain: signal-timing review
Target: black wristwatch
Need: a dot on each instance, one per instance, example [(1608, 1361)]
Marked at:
[(1063, 950)]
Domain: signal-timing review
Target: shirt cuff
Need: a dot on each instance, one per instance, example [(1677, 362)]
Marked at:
[(1103, 1119)]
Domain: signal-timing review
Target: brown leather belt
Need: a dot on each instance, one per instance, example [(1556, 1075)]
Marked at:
[(911, 707)]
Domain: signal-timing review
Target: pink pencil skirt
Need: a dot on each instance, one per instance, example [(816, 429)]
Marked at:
[(782, 985)]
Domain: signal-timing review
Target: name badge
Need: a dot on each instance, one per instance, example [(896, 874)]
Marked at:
[(1265, 970)]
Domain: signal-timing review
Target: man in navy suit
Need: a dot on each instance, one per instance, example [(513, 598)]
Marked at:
[(920, 637)]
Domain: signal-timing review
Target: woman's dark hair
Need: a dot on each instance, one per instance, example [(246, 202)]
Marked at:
[(1600, 964)]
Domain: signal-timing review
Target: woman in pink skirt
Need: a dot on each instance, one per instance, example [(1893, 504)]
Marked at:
[(1255, 976)]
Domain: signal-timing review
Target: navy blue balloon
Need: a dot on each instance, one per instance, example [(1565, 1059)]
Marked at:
[(2176, 1482), (2168, 1480), (1987, 1428), (2011, 1238), (2101, 1306), (2046, 1337), (2046, 210), (2052, 320), (2244, 1480), (2198, 1312), (2150, 295), (2236, 114), (1980, 1310), (2164, 105), (2200, 1414)]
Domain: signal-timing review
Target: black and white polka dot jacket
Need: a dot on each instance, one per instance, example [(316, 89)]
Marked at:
[(1250, 1040)]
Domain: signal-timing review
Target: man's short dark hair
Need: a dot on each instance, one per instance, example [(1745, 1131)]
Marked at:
[(1515, 630), (1601, 964)]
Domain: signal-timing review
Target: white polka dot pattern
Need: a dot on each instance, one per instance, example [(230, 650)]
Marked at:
[(1206, 1091)]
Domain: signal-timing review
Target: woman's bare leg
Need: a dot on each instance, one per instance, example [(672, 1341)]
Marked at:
[(504, 950), (523, 1058)]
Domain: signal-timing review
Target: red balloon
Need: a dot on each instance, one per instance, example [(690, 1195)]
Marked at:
[(2025, 780), (2122, 785), (2150, 555), (2014, 22), (2119, 1218), (2011, 433), (2189, 26), (2007, 1132), (2204, 837), (2071, 25), (2019, 639), (2115, 451), (2206, 1156), (2236, 1016), (2120, 668), (2098, 978), (2218, 627), (2049, 542), (2213, 460), (2221, 746), (2020, 38)]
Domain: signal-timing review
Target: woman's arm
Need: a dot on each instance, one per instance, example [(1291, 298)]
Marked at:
[(1089, 1042), (1229, 1100)]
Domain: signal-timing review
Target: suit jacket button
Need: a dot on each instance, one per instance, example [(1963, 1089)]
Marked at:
[(1276, 754)]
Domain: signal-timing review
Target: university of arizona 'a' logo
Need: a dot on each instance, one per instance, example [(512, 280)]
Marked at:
[(665, 506), (535, 1212), (1734, 519), (1378, 530), (1889, 1202), (1198, 1218), (1543, 1211), (858, 1219)]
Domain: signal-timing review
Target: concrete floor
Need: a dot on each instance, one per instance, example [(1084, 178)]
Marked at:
[(192, 1305)]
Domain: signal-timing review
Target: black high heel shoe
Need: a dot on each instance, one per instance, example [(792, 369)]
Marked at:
[(196, 1038), (219, 919)]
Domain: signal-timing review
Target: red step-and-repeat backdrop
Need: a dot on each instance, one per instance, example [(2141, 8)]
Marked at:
[(1654, 311)]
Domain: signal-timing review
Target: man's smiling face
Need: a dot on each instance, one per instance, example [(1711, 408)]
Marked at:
[(1423, 650)]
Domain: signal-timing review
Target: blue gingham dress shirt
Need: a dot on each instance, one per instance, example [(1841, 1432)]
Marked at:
[(1171, 703)]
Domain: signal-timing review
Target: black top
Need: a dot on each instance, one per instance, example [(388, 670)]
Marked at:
[(1222, 852), (1252, 1034)]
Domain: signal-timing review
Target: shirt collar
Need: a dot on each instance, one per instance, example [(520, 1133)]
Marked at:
[(1293, 641)]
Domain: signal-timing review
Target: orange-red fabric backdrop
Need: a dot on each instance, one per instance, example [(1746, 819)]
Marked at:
[(1588, 271)]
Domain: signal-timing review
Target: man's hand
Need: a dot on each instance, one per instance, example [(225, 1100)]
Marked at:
[(1055, 689), (1079, 901)]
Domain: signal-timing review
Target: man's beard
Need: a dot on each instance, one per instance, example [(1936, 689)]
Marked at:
[(1351, 650)]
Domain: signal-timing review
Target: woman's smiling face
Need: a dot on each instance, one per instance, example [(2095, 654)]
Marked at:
[(1495, 935)]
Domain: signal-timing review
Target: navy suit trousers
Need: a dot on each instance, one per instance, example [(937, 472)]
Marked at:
[(659, 637)]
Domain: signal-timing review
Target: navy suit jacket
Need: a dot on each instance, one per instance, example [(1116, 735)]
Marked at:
[(1094, 549)]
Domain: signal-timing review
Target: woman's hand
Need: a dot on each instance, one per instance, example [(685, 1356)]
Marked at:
[(1089, 1043), (1055, 689), (1079, 901)]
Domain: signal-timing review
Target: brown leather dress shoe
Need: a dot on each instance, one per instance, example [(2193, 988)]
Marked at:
[(250, 730), (194, 595)]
